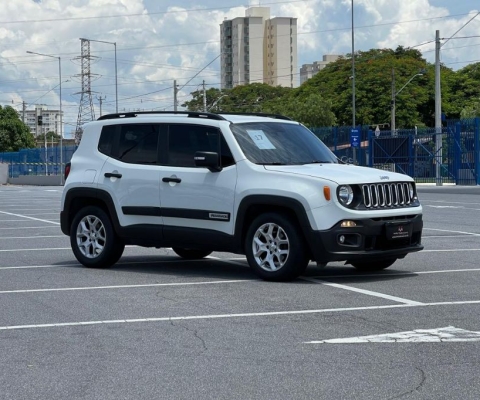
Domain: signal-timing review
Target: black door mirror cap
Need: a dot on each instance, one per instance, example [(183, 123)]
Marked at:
[(208, 159)]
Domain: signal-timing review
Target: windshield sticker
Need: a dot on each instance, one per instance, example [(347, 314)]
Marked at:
[(261, 140)]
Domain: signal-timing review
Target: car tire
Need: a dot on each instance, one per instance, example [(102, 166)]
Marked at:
[(374, 265), (191, 254), (275, 248), (93, 239)]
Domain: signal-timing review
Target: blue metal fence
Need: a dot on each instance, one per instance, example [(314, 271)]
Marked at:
[(38, 161), (408, 151), (337, 138), (414, 151)]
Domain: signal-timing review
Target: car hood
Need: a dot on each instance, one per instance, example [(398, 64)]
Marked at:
[(341, 173)]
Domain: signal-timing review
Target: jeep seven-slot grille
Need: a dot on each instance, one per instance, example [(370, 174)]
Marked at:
[(386, 195)]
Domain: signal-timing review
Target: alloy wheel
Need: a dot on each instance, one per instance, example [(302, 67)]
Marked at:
[(91, 236), (271, 247)]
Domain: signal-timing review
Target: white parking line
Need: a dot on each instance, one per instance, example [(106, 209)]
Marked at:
[(241, 315), (233, 261), (176, 260), (52, 248), (44, 249), (363, 291), (445, 236), (386, 275), (447, 250), (14, 220), (33, 237), (17, 208), (446, 230), (147, 285), (447, 202), (31, 227), (28, 217), (43, 213)]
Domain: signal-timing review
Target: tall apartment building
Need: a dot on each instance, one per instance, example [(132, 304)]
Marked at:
[(309, 70), (50, 120), (257, 48)]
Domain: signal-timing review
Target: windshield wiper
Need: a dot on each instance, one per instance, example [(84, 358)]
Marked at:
[(318, 162), (272, 163)]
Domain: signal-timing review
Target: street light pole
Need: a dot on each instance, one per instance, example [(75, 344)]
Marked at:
[(116, 76), (395, 94), (61, 112), (353, 83)]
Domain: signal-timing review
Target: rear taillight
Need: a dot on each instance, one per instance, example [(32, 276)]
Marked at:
[(67, 169)]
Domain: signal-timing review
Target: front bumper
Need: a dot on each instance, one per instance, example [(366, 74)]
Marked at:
[(366, 241)]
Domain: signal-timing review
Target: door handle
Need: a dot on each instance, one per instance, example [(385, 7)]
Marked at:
[(167, 179), (112, 175)]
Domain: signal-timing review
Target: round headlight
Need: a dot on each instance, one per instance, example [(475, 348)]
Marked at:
[(345, 195), (411, 190)]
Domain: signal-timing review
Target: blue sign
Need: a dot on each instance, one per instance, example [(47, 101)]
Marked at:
[(355, 137)]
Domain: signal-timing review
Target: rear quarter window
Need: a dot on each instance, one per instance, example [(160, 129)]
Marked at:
[(107, 138)]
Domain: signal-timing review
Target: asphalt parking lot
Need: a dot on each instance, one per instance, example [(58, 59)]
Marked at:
[(157, 327)]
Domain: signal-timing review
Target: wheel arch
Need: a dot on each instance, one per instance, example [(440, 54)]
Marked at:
[(255, 205), (78, 198)]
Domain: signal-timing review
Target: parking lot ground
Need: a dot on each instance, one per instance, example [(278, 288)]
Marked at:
[(156, 326)]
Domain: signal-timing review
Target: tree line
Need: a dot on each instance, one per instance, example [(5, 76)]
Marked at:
[(326, 99)]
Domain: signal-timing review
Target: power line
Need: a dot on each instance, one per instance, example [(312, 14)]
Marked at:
[(142, 14), (211, 62), (463, 26)]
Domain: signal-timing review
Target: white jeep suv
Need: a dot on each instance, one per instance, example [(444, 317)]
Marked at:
[(259, 185)]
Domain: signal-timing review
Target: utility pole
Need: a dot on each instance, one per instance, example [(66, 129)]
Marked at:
[(36, 124), (100, 99), (24, 109), (438, 113), (175, 95), (353, 84), (392, 124), (204, 98)]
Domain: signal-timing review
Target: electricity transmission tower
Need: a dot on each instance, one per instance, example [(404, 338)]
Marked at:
[(86, 112)]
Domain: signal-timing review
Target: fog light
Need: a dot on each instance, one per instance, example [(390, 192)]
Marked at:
[(348, 224), (341, 239)]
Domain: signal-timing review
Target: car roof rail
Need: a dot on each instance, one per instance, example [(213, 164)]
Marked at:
[(276, 116), (191, 114)]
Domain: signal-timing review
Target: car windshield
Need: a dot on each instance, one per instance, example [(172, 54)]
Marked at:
[(280, 143)]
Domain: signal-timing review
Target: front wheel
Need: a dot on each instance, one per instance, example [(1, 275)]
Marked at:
[(376, 265), (275, 248), (191, 254), (93, 239)]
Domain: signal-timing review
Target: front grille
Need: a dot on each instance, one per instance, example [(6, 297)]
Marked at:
[(383, 195)]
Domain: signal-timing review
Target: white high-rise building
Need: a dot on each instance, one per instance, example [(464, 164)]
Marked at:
[(50, 120), (257, 48)]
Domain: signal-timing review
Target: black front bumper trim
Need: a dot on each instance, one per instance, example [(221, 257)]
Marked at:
[(373, 243)]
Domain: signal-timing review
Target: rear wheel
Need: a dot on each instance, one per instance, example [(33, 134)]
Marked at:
[(376, 265), (275, 248), (93, 239), (191, 254)]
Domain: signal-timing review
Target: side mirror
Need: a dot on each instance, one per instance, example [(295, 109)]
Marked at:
[(208, 159)]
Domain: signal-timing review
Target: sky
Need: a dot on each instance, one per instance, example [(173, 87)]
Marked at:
[(159, 41)]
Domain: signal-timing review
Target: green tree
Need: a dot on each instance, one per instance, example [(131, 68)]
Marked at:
[(14, 134), (196, 104), (471, 110), (51, 136), (242, 98), (311, 109), (374, 87), (465, 92), (327, 97)]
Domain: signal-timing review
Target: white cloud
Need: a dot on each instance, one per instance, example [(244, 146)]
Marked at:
[(158, 42)]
